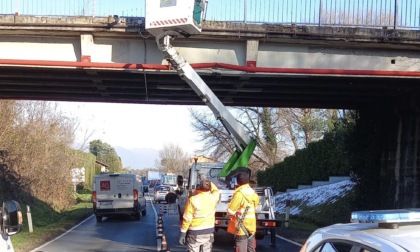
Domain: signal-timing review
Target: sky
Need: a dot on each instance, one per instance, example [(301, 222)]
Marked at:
[(268, 11), (134, 129)]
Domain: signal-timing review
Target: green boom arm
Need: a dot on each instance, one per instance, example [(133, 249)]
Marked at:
[(238, 159)]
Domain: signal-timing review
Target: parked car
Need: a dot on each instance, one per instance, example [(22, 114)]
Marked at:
[(161, 191), (372, 231), (11, 220), (118, 194)]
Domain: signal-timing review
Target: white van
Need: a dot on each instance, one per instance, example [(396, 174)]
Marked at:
[(118, 194)]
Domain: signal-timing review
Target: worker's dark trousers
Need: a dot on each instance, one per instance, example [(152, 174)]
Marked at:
[(244, 244)]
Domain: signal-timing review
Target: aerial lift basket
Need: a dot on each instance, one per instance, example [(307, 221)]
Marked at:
[(182, 16)]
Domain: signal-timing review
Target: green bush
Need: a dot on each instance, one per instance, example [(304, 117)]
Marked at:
[(319, 161)]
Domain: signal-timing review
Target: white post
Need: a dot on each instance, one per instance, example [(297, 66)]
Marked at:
[(286, 219), (28, 213)]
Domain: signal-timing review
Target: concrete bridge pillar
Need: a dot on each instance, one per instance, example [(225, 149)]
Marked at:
[(388, 152), (407, 165), (398, 128)]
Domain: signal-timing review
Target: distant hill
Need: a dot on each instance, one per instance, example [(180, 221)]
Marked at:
[(139, 158)]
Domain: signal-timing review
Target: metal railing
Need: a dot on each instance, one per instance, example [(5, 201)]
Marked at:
[(396, 14)]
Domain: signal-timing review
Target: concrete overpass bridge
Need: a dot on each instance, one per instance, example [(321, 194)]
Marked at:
[(114, 60)]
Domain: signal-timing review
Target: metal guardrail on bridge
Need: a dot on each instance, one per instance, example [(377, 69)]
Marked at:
[(393, 14)]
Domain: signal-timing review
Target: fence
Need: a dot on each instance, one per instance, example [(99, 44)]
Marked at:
[(397, 14)]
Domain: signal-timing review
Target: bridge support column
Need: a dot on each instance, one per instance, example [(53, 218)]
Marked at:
[(86, 44), (387, 161), (407, 165), (251, 53)]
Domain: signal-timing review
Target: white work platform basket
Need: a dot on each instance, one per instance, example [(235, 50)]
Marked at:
[(183, 16)]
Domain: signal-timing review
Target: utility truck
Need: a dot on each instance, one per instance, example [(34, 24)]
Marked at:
[(166, 20), (169, 179), (154, 178)]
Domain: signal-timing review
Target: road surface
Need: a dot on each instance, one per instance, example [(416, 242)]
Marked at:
[(128, 234)]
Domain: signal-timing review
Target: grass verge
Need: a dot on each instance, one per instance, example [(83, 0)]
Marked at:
[(48, 224)]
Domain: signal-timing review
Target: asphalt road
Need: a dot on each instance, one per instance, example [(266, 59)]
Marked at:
[(128, 234)]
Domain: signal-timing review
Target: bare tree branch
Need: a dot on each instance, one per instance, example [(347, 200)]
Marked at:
[(278, 132)]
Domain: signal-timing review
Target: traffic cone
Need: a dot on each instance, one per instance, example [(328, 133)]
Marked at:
[(164, 245), (159, 227), (160, 233)]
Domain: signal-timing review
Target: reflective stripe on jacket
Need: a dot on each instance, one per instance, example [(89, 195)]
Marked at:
[(242, 197), (199, 213)]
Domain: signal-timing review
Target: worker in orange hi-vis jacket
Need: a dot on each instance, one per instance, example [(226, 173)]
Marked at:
[(197, 228), (241, 210)]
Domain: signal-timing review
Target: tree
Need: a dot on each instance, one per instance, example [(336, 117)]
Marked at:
[(259, 122), (279, 132), (306, 125), (36, 155), (268, 129), (106, 154), (173, 159)]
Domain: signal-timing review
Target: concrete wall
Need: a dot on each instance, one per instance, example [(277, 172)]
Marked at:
[(331, 180)]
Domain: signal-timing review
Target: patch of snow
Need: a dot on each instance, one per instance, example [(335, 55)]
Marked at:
[(294, 210), (313, 196)]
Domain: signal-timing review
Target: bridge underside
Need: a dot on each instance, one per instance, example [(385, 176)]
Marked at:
[(166, 87), (272, 66)]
